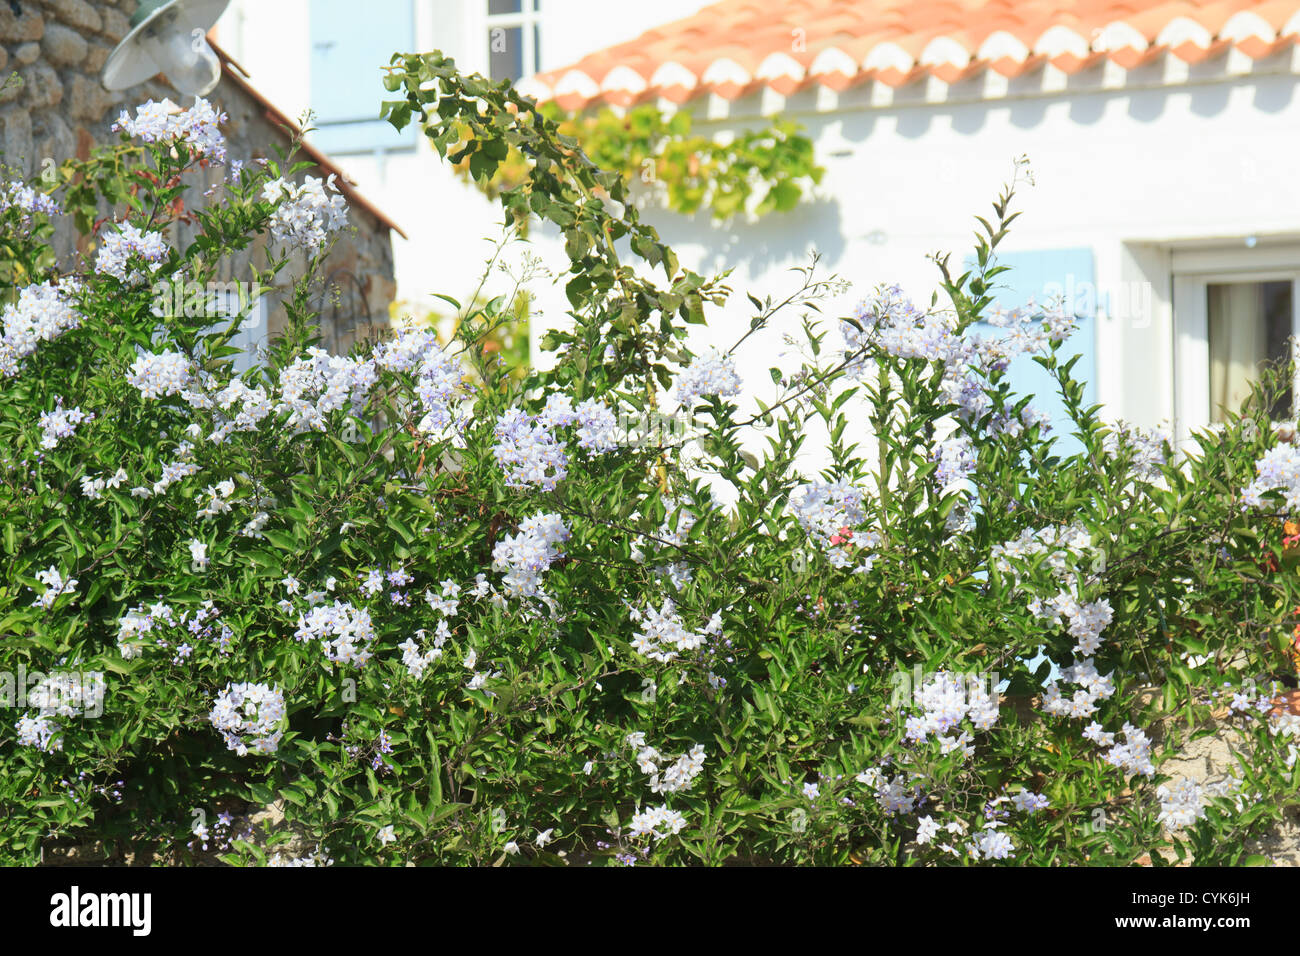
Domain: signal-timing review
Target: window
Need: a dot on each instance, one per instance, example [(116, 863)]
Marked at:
[(514, 39), (1230, 324), (350, 44), (1249, 327)]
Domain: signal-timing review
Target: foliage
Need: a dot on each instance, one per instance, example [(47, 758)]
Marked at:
[(758, 171), (505, 630), (508, 337)]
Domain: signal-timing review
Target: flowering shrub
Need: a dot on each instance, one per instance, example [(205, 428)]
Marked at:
[(443, 614)]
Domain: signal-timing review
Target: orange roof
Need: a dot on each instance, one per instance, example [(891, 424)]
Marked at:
[(738, 47)]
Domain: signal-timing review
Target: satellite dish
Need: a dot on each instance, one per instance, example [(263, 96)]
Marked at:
[(168, 36)]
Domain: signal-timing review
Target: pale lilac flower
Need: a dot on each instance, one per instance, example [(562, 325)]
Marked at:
[(41, 313), (305, 216), (711, 374), (61, 423), (249, 717), (123, 250), (166, 122)]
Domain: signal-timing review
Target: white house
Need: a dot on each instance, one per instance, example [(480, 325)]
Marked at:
[(1161, 135), (326, 55)]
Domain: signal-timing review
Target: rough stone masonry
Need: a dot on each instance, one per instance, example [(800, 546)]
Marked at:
[(58, 48)]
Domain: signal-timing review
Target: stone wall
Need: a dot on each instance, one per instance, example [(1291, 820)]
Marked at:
[(58, 47)]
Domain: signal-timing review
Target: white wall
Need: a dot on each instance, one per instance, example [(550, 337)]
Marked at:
[(271, 41), (1132, 173), (447, 222)]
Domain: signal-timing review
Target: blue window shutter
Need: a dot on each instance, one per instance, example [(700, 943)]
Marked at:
[(350, 43), (1041, 276)]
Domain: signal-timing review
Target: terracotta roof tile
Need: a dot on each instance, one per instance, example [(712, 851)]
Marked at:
[(736, 47)]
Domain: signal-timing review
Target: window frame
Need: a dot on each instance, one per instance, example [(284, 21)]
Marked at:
[(529, 22), (1193, 273)]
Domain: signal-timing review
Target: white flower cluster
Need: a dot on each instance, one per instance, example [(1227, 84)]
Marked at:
[(249, 716), (712, 373), (118, 248), (895, 794), (681, 774), (93, 487), (318, 384), (1287, 725), (41, 314), (899, 327), (598, 429), (447, 603), (532, 453), (903, 330), (826, 509), (1005, 424), (316, 857), (663, 635), (1093, 687), (406, 351), (1181, 805), (991, 844), (61, 423), (1277, 469), (131, 627), (54, 586), (182, 467), (68, 694), (1029, 802), (158, 375), (344, 631), (30, 202), (439, 375), (253, 527), (1058, 547), (1059, 550), (40, 732), (678, 777), (254, 405), (524, 556), (1146, 446), (945, 701), (649, 821), (956, 459), (1085, 621), (417, 661), (165, 122), (218, 499), (1132, 756), (306, 215), (529, 451), (478, 679)]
